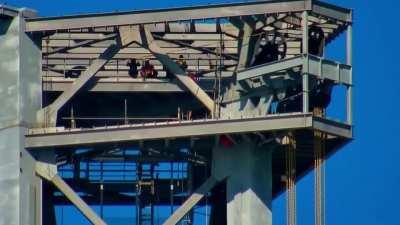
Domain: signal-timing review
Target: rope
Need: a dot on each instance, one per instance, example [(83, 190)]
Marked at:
[(290, 156), (319, 174)]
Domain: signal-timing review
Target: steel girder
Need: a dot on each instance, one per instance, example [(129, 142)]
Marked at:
[(48, 138), (188, 13)]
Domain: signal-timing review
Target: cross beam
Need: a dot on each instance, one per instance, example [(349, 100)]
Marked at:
[(191, 201), (79, 44), (49, 172), (147, 40), (49, 114), (187, 14)]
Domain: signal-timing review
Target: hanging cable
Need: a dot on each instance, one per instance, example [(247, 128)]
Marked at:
[(137, 195), (290, 156), (319, 171), (171, 193), (221, 64), (101, 190), (206, 197), (45, 119), (62, 207)]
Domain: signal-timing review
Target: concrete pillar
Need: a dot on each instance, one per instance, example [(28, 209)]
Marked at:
[(20, 99), (248, 169)]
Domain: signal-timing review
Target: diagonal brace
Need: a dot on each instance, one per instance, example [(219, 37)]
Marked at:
[(147, 41), (49, 114), (80, 44), (191, 201), (49, 172)]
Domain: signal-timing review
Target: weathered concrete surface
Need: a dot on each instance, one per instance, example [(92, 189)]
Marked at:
[(20, 98), (248, 169)]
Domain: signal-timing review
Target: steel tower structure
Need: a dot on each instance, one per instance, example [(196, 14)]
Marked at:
[(238, 125)]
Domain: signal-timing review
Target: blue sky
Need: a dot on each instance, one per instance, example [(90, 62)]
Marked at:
[(363, 179)]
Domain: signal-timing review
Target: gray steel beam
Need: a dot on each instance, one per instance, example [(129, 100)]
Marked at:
[(349, 59), (313, 65), (79, 44), (6, 10), (147, 41), (49, 114), (77, 201), (306, 89), (163, 15), (191, 201), (332, 11), (332, 127), (269, 68), (247, 41), (47, 138), (49, 172), (201, 49), (126, 85)]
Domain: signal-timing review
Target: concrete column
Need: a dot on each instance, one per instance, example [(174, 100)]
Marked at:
[(249, 182), (20, 99)]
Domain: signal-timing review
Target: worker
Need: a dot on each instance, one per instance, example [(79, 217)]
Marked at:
[(182, 62), (316, 41), (147, 70), (133, 68)]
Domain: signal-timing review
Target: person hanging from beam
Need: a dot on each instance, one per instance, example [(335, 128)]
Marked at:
[(133, 68), (147, 70)]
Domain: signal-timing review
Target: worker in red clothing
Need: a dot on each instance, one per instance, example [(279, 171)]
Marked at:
[(147, 70)]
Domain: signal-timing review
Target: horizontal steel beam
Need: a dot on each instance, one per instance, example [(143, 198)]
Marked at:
[(126, 84), (317, 66), (332, 11), (6, 10), (269, 68), (333, 127), (163, 15), (328, 69), (80, 44), (47, 138)]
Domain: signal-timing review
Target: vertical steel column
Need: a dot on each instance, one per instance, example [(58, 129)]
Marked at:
[(349, 61), (305, 68)]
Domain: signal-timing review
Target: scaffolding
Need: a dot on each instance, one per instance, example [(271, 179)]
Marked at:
[(177, 148)]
